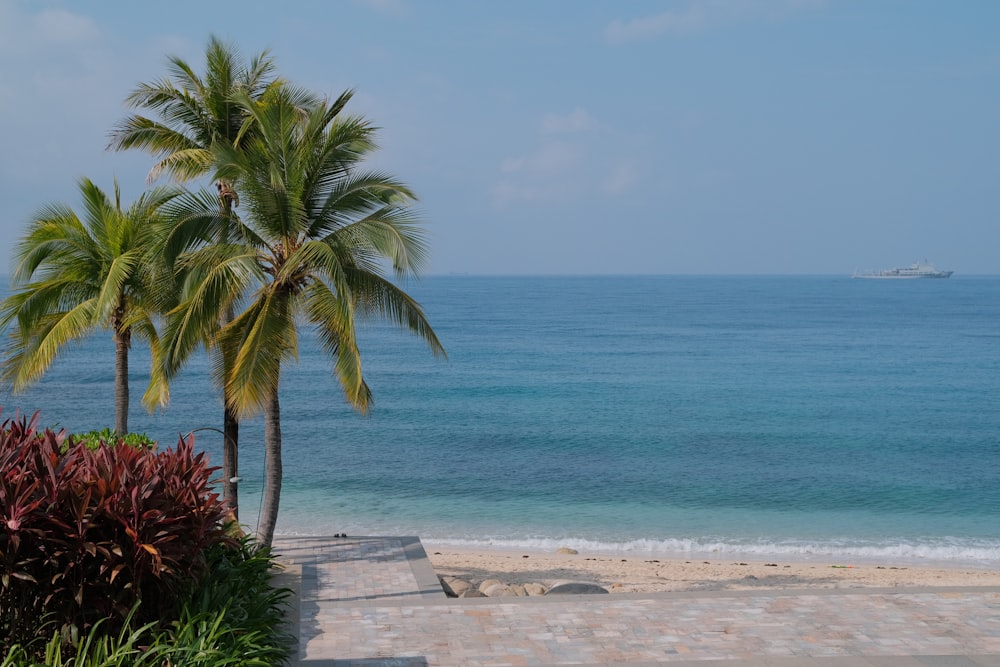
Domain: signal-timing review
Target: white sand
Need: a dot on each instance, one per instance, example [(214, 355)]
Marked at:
[(637, 573)]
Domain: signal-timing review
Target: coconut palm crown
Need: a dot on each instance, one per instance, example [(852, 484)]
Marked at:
[(317, 237), (191, 115), (74, 275), (194, 112)]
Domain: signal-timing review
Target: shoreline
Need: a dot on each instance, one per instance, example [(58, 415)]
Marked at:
[(645, 573)]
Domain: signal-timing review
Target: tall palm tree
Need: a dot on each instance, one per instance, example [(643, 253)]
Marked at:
[(75, 275), (316, 238), (197, 113)]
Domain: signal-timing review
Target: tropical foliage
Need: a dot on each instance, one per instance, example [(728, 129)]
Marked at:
[(97, 438), (232, 616), (74, 275), (87, 534), (193, 114), (112, 552), (313, 247)]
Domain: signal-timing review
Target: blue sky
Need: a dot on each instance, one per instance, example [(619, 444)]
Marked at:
[(579, 137)]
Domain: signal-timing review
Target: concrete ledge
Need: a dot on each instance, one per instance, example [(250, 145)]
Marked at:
[(798, 661), (427, 580), (805, 661)]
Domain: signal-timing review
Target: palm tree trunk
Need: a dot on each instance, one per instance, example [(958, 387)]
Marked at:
[(121, 381), (272, 463), (230, 460), (230, 422)]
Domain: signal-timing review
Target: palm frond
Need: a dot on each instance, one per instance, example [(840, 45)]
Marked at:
[(344, 199), (378, 297), (29, 354), (56, 237), (183, 164), (119, 273), (184, 73), (136, 131), (196, 220), (394, 234), (333, 315), (215, 278), (260, 68), (157, 394), (257, 341)]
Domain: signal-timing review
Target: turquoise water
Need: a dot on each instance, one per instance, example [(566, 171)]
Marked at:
[(797, 416)]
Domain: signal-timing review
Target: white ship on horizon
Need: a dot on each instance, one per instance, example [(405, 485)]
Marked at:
[(922, 269)]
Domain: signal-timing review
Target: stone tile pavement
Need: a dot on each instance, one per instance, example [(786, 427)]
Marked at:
[(375, 601)]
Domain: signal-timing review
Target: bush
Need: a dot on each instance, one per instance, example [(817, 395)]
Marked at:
[(231, 616), (96, 649), (94, 439), (86, 535)]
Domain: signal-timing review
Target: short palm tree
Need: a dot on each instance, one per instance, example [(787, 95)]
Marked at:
[(317, 236), (75, 275), (195, 114)]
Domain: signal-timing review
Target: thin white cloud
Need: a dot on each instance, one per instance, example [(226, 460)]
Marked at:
[(63, 28), (622, 179), (549, 173), (22, 33), (569, 162), (506, 193), (396, 9), (577, 121), (552, 157), (65, 101), (691, 19), (701, 15)]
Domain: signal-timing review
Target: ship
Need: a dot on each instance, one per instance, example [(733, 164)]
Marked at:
[(922, 269)]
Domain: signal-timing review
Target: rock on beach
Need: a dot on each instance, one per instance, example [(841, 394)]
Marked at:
[(495, 588)]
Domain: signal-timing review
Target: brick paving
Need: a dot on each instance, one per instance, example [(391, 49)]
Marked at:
[(375, 601)]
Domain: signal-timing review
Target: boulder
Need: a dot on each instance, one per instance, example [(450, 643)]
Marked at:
[(575, 588), (471, 593), (498, 590), (489, 583), (534, 589), (454, 587)]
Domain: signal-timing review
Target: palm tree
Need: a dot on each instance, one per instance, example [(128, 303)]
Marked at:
[(316, 237), (73, 276), (197, 113)]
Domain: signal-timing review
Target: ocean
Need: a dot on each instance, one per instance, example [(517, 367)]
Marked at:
[(805, 417)]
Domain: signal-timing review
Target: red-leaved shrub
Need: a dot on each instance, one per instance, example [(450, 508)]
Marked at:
[(87, 534)]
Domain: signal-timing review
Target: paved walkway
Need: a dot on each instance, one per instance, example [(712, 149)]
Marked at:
[(376, 602)]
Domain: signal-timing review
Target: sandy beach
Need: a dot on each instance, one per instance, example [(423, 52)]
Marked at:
[(634, 573)]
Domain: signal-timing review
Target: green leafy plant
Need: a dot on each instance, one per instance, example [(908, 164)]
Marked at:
[(94, 439), (231, 616), (239, 580), (87, 534), (96, 649)]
